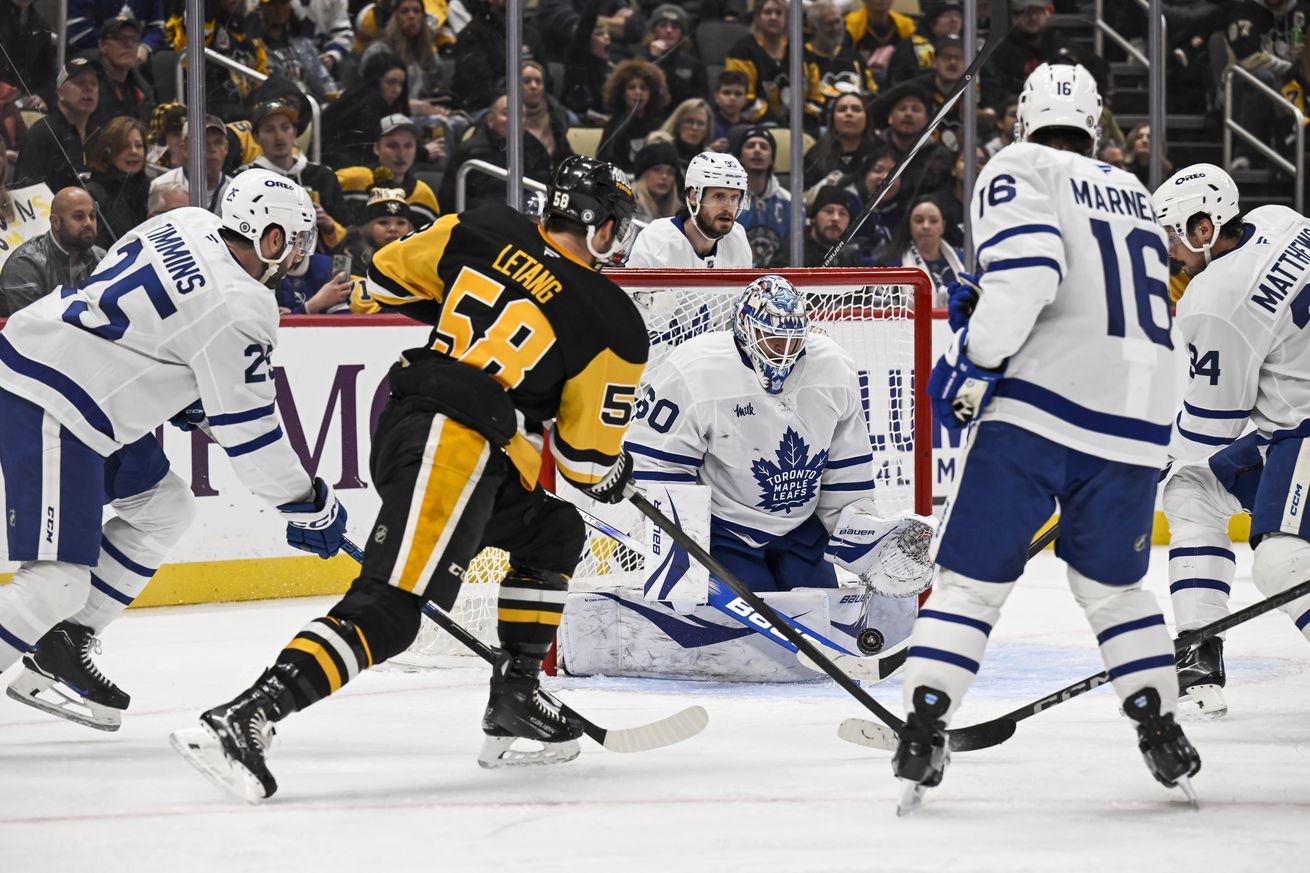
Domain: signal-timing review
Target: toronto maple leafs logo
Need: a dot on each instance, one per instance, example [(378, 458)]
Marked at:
[(794, 480)]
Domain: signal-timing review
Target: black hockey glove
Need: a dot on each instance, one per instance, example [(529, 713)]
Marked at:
[(190, 418), (610, 489)]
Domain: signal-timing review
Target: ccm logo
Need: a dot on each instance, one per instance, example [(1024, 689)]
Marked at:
[(1189, 178), (49, 524), (1295, 510)]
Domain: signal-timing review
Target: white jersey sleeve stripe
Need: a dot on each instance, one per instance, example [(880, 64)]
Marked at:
[(1011, 232), (1206, 439), (230, 418), (1217, 414), (1026, 263), (850, 462), (671, 457), (254, 445), (661, 476), (866, 485)]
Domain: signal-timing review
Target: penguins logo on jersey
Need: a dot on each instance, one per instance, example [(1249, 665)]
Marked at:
[(792, 482)]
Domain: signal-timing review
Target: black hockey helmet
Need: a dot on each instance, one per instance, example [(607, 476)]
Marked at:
[(591, 192)]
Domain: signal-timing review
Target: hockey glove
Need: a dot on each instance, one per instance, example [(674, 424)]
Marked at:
[(190, 418), (610, 489), (317, 525), (889, 555), (962, 298), (959, 388)]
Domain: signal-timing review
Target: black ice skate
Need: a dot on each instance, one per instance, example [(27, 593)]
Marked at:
[(1168, 753), (1201, 680), (60, 678), (232, 740), (923, 750), (518, 710)]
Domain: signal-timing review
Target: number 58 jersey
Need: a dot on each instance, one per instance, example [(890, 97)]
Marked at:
[(1074, 303), (167, 317)]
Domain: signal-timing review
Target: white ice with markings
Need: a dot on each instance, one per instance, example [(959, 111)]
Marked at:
[(383, 776)]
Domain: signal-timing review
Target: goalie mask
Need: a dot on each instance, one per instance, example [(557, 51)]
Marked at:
[(770, 324), (1200, 188), (259, 199), (1059, 95), (591, 192)]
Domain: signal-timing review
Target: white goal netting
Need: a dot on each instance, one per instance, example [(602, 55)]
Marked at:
[(881, 317)]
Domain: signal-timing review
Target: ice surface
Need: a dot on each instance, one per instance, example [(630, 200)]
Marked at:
[(383, 776)]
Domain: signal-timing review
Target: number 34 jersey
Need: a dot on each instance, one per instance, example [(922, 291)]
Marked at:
[(1074, 303), (565, 342), (167, 317)]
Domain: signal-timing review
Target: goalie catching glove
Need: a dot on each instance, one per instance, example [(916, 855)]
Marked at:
[(317, 525), (889, 555)]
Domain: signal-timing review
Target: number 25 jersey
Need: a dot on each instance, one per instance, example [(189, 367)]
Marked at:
[(565, 342), (1075, 303)]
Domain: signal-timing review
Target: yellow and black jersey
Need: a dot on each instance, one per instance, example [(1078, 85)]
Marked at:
[(828, 76), (767, 86), (357, 181), (564, 341)]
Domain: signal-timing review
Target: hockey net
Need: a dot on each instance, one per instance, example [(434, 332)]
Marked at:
[(881, 317)]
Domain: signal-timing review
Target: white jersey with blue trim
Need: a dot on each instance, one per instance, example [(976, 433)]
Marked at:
[(167, 317), (663, 244), (1075, 304), (771, 461), (1244, 320)]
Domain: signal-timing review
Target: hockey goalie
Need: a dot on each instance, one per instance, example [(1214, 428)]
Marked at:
[(754, 440)]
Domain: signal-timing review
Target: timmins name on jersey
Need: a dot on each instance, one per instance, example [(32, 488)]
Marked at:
[(564, 341)]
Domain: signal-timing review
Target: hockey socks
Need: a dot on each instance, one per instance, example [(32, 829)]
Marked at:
[(324, 656), (529, 610)]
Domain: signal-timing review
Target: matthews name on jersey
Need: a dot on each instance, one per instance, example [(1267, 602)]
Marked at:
[(771, 461), (1243, 317), (1075, 304), (168, 316), (564, 341)]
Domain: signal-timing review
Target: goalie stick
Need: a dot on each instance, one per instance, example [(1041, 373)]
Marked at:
[(672, 729), (874, 668), (980, 736), (967, 80)]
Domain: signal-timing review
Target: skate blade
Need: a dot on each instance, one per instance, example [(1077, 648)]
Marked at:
[(498, 752), (200, 747), (1185, 783), (911, 798), (49, 695), (1202, 702)]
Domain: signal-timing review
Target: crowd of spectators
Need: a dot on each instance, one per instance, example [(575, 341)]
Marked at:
[(410, 90)]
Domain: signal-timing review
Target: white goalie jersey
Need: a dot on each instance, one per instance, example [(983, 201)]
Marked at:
[(1074, 304), (1244, 319), (168, 317), (771, 461)]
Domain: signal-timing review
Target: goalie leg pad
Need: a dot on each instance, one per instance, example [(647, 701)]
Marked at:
[(950, 636), (1135, 645), (1202, 564)]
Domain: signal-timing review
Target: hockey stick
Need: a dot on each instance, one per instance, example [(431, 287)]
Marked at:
[(672, 729), (873, 669), (967, 80), (984, 735), (961, 742)]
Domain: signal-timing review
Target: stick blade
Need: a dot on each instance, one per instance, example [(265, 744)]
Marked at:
[(871, 734), (675, 728), (870, 670), (983, 735)]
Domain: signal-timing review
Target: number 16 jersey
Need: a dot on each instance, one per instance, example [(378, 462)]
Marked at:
[(1074, 303)]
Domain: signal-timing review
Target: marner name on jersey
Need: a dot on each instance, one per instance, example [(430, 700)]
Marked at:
[(1118, 201)]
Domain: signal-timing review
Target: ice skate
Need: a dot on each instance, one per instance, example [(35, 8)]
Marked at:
[(517, 711), (923, 751), (1201, 680), (60, 678), (1168, 753), (232, 741)]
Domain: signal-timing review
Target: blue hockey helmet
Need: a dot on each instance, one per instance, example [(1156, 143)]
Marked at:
[(770, 324)]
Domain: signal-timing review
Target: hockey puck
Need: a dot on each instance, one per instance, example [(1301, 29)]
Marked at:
[(870, 641)]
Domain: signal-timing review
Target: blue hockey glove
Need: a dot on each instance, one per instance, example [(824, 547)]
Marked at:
[(190, 418), (963, 297), (317, 525), (959, 388)]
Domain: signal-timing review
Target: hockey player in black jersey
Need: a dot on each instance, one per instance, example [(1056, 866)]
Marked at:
[(525, 332)]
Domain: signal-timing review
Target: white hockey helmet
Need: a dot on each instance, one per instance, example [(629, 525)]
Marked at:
[(1200, 188), (1059, 95), (770, 324), (259, 199), (716, 170)]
